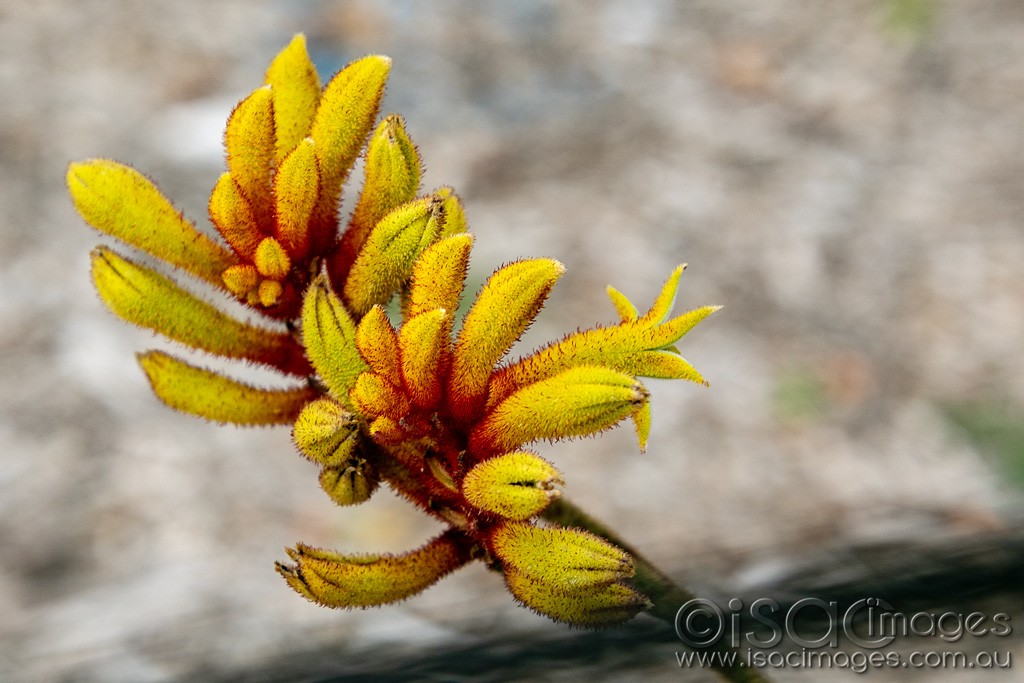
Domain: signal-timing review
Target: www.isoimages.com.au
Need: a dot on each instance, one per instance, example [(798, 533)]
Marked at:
[(858, 661), (814, 633)]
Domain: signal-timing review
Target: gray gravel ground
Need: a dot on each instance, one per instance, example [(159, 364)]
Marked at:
[(848, 187)]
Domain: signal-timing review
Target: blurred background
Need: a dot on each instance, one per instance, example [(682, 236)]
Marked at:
[(845, 178)]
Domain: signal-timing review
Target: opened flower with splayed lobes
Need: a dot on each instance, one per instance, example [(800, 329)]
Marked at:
[(439, 417)]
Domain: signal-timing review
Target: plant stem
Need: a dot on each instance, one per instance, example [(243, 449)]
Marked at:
[(666, 595)]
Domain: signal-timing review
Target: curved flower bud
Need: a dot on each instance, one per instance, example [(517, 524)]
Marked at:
[(423, 341), (204, 393), (295, 87), (375, 396), (386, 260), (566, 558), (439, 276), (516, 485), (272, 260), (249, 141), (577, 402), (241, 280), (377, 342), (123, 203), (505, 307), (326, 433), (296, 188), (148, 299), (336, 580), (328, 334), (392, 179), (348, 107), (233, 217), (591, 607), (351, 483)]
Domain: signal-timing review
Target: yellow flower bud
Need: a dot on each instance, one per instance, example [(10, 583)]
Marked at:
[(233, 217), (336, 580), (272, 260), (505, 307), (149, 299), (326, 433), (208, 394), (566, 558), (121, 202), (576, 402), (249, 141), (328, 333), (515, 485), (392, 178), (374, 395), (351, 483), (386, 260), (296, 187), (591, 607), (241, 280), (295, 87)]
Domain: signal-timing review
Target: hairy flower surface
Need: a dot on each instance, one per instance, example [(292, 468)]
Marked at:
[(441, 418)]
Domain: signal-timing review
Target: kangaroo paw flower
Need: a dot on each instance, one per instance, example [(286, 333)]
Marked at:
[(387, 386)]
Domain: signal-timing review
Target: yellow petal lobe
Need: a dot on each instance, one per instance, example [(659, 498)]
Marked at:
[(623, 306), (642, 346)]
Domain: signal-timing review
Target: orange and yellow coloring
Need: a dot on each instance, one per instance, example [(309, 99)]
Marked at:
[(441, 418)]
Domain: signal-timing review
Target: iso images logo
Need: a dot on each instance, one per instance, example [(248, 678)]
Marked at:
[(869, 623)]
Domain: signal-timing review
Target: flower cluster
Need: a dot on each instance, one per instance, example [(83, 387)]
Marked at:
[(438, 416)]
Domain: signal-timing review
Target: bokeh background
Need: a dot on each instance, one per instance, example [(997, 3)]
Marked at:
[(845, 178)]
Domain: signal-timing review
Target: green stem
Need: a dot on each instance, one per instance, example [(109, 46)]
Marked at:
[(651, 581)]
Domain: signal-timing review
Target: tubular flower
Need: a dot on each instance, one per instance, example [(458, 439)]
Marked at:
[(441, 418)]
